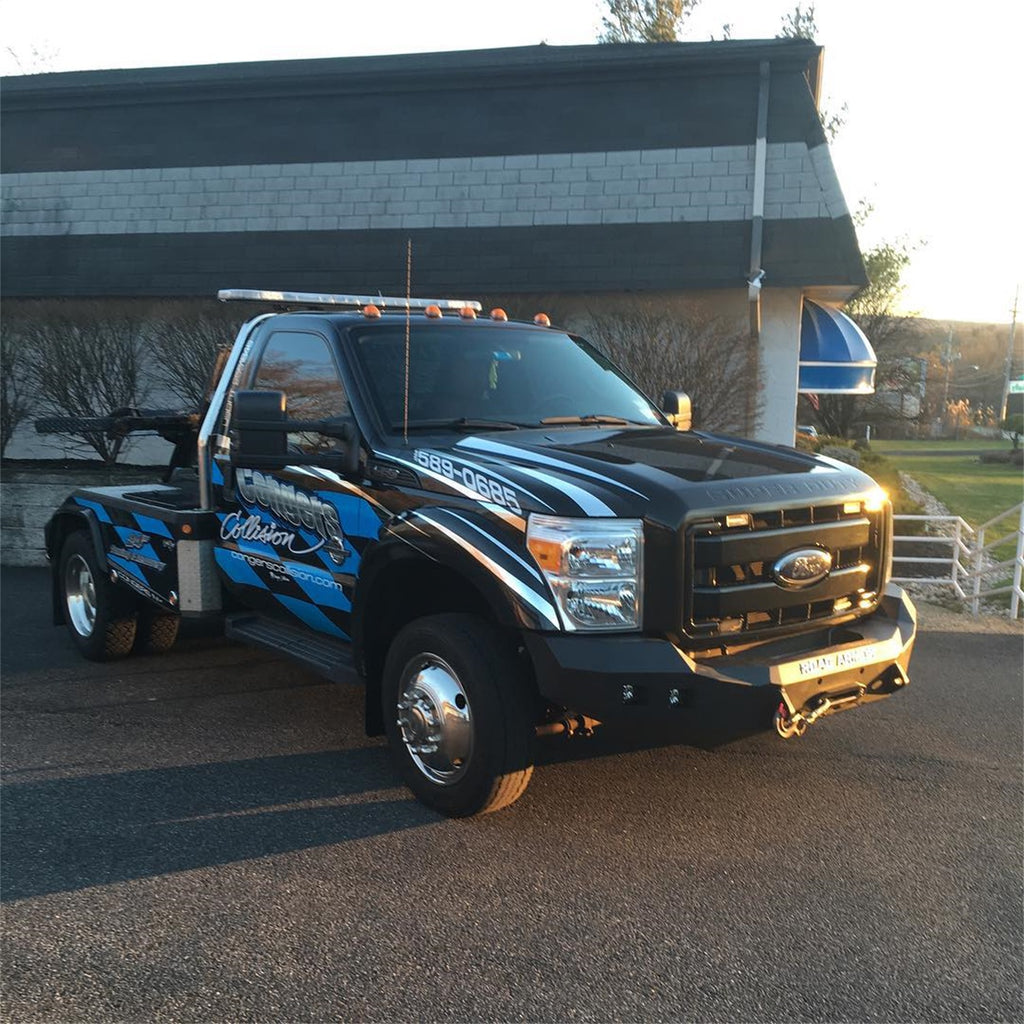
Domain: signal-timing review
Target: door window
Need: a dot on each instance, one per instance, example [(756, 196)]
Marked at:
[(302, 366)]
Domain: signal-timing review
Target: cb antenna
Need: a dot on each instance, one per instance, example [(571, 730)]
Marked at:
[(408, 317)]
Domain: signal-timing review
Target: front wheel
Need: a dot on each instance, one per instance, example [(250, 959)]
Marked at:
[(100, 621), (457, 711)]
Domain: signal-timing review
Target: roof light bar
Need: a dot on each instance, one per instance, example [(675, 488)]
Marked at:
[(318, 299)]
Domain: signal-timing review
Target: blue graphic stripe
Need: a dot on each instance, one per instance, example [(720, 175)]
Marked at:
[(129, 567), (146, 551), (216, 473), (350, 511), (147, 524), (311, 616), (325, 592), (237, 569), (101, 512)]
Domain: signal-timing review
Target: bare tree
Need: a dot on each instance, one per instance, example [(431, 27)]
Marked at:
[(800, 23), (187, 343), (645, 21), (16, 402), (85, 362), (711, 359)]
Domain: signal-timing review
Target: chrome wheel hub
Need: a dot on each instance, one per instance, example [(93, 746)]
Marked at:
[(435, 719), (80, 595)]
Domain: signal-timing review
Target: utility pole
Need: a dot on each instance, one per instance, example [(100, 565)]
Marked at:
[(948, 360), (1008, 370)]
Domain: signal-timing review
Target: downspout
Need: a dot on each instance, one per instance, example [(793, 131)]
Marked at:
[(756, 273)]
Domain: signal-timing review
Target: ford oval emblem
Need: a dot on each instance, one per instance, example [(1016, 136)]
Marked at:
[(802, 568)]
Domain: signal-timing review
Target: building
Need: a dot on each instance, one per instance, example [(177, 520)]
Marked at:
[(681, 170)]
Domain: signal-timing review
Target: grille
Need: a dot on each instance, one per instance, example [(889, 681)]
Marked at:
[(731, 591)]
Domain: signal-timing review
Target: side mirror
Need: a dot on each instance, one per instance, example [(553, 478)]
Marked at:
[(678, 410), (260, 429), (258, 425)]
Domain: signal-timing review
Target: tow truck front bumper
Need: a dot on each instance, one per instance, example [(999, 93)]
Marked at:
[(803, 677)]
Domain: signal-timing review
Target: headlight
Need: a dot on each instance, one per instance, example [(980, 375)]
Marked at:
[(594, 568)]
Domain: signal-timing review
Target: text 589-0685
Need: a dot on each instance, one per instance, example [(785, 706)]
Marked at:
[(488, 489)]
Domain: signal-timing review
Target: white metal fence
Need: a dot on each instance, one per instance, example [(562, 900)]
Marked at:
[(953, 554)]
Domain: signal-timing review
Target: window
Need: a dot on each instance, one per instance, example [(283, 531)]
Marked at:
[(482, 372), (301, 365)]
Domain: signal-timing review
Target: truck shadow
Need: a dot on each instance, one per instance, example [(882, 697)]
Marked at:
[(69, 834)]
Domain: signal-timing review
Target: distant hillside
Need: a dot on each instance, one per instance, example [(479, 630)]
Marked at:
[(974, 354)]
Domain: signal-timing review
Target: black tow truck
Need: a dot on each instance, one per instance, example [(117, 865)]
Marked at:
[(490, 527)]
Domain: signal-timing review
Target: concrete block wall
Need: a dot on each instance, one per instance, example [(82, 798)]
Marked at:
[(29, 497)]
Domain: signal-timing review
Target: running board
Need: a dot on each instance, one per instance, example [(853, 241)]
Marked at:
[(330, 658)]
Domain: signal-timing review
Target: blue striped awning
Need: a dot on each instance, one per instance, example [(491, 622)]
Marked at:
[(835, 356)]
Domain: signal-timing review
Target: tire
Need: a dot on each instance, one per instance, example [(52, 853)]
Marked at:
[(101, 621), (458, 715), (155, 633)]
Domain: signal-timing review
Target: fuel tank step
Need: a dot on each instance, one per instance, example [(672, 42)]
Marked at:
[(330, 658)]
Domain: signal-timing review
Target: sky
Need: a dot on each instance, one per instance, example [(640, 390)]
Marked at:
[(933, 137)]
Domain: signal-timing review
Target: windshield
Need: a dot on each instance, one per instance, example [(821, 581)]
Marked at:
[(493, 376)]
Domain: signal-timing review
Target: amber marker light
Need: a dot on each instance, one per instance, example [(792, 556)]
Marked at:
[(542, 320), (186, 529), (371, 312), (499, 314), (547, 553), (434, 312), (467, 313)]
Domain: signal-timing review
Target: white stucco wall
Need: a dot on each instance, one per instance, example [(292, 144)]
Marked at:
[(779, 359)]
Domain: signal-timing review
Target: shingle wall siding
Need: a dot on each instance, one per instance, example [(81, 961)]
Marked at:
[(619, 187), (573, 168)]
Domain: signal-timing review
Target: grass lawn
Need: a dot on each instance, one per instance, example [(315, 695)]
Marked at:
[(974, 490), (973, 444)]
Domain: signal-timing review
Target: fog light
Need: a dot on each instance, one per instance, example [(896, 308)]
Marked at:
[(842, 604)]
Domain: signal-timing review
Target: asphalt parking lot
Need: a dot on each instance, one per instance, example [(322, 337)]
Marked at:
[(208, 836)]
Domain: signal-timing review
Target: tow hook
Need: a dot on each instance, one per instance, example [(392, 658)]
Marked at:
[(789, 724)]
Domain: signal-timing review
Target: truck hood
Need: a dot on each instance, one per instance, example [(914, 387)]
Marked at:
[(656, 473)]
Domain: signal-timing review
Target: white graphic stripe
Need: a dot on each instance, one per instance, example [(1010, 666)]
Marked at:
[(497, 543), (586, 501), (486, 445), (531, 597)]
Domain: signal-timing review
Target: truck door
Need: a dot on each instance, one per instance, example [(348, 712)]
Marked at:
[(290, 539)]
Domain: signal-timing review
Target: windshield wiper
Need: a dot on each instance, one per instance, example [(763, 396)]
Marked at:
[(463, 423), (592, 418)]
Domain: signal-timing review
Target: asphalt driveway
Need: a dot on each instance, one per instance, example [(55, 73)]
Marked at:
[(208, 836)]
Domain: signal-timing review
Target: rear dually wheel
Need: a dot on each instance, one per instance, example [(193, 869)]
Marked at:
[(101, 621)]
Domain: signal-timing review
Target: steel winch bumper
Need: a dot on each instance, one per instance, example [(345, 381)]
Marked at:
[(800, 679)]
